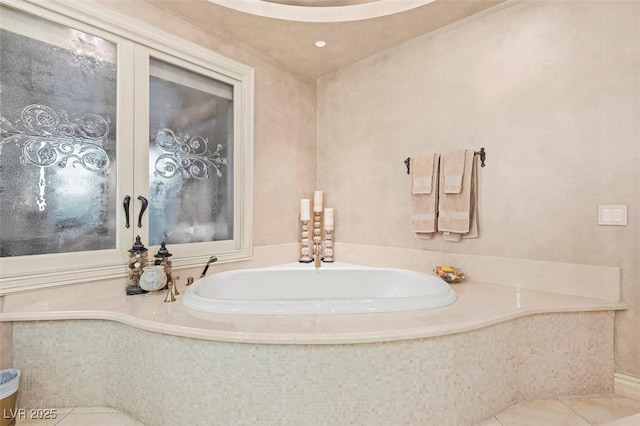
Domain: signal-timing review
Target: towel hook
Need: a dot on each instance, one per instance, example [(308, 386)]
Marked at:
[(482, 153)]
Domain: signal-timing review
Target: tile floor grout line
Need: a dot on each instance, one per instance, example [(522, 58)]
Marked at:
[(576, 413), (58, 421), (64, 416)]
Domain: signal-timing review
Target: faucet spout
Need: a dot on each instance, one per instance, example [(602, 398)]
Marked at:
[(211, 260)]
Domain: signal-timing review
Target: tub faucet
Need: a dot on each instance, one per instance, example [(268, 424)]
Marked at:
[(211, 260)]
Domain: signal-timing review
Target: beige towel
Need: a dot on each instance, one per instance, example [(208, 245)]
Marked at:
[(422, 174), (454, 169), (424, 205), (473, 226), (457, 213)]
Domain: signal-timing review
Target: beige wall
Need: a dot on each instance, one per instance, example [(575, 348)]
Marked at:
[(550, 89), (285, 126)]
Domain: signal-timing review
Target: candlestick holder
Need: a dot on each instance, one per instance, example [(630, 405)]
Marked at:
[(163, 256), (328, 247), (305, 251), (317, 234)]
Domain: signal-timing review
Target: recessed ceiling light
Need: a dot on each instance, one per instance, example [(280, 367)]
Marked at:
[(320, 43)]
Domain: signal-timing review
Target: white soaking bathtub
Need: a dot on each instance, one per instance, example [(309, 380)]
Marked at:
[(331, 289)]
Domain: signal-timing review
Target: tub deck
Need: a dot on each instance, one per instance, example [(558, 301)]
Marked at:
[(454, 365), (479, 305)]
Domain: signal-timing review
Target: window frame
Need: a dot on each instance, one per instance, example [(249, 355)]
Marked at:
[(137, 42)]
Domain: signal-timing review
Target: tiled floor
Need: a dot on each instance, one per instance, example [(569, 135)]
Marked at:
[(81, 416), (609, 411)]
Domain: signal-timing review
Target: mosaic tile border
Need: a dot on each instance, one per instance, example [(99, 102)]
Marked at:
[(448, 380)]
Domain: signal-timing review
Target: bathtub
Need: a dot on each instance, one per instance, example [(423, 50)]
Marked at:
[(302, 289)]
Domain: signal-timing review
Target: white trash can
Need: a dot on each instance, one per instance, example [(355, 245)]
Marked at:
[(9, 381)]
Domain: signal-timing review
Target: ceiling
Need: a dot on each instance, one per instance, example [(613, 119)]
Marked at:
[(353, 29)]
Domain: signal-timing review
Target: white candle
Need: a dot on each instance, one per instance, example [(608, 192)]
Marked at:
[(305, 210), (317, 201), (328, 219)]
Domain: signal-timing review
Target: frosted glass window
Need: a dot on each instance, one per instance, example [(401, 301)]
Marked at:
[(190, 156), (57, 138)]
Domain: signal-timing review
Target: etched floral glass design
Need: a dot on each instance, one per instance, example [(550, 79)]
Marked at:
[(190, 156), (57, 138)]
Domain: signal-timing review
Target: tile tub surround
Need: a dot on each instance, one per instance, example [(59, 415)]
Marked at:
[(498, 344), (456, 379)]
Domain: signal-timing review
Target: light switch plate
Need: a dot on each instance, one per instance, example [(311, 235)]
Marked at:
[(612, 214)]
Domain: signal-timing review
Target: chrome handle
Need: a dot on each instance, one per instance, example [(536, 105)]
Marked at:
[(145, 203)]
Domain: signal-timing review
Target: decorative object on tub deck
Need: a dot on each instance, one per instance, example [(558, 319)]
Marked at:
[(137, 261), (424, 195), (153, 278), (328, 229), (305, 216), (320, 252), (456, 209), (450, 274), (317, 201), (457, 212), (317, 231), (163, 256)]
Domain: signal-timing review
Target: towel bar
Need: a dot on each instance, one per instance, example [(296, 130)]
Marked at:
[(482, 153)]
